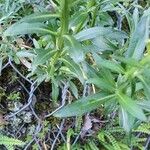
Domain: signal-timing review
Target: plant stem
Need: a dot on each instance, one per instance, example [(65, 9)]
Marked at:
[(64, 18)]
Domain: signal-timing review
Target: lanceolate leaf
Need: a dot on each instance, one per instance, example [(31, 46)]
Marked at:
[(101, 83), (146, 12), (135, 17), (126, 119), (100, 31), (38, 17), (83, 105), (55, 92), (42, 57), (90, 71), (138, 39), (90, 33), (78, 20), (145, 85), (108, 64), (145, 105), (129, 61), (104, 44), (107, 75), (74, 68), (27, 28), (75, 49), (25, 53), (73, 89), (130, 106)]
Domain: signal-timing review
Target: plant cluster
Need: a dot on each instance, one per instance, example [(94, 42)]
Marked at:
[(101, 47)]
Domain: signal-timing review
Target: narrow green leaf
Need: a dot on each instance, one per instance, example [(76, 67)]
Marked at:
[(106, 19), (108, 64), (74, 48), (38, 17), (130, 106), (90, 33), (145, 85), (42, 57), (129, 61), (36, 44), (83, 105), (90, 71), (74, 68), (101, 83), (138, 39), (74, 89), (145, 104), (3, 18), (136, 17), (100, 31), (25, 53), (104, 44), (126, 119), (27, 28), (107, 75), (146, 12), (77, 20), (55, 92)]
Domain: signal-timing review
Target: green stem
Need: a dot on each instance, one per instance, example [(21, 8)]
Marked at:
[(64, 18)]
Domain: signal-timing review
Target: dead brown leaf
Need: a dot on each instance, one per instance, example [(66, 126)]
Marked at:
[(86, 126)]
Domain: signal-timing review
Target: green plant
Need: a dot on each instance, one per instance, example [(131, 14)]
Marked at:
[(118, 77), (14, 96), (78, 41), (10, 142), (54, 62), (123, 71)]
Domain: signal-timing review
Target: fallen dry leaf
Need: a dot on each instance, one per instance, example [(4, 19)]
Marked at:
[(86, 126)]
